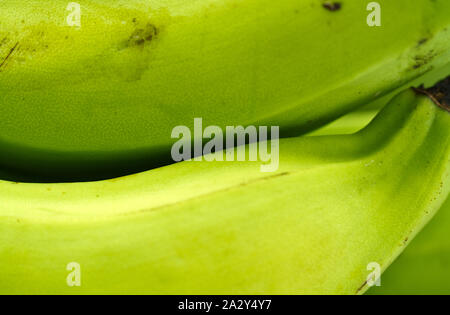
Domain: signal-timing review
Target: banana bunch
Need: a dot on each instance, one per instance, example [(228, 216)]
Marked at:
[(337, 206), (93, 91)]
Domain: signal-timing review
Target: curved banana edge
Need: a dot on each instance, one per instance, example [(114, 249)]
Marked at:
[(337, 204), (423, 266), (360, 118), (115, 88)]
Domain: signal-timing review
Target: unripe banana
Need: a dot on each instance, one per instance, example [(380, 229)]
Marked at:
[(360, 118), (337, 205), (424, 266), (96, 92)]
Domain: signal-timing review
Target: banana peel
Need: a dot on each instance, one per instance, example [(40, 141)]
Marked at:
[(360, 118), (336, 205), (100, 100), (423, 267)]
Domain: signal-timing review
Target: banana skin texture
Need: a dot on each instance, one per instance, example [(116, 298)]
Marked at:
[(360, 118), (100, 100), (423, 267), (336, 204)]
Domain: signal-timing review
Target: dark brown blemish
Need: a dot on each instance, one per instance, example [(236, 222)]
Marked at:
[(332, 6), (9, 55), (361, 287), (439, 94), (144, 35), (423, 60), (422, 41), (275, 176)]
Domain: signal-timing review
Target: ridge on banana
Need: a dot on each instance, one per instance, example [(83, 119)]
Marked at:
[(360, 118), (100, 100), (336, 205), (430, 252)]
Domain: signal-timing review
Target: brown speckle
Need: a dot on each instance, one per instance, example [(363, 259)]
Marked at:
[(332, 6), (144, 35), (422, 41), (361, 287), (423, 60), (9, 54)]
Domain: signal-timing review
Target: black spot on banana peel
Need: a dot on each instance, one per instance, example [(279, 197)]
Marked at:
[(332, 6), (337, 204), (422, 41)]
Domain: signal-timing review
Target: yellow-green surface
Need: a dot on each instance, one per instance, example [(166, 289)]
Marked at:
[(358, 119), (424, 266), (336, 204), (102, 99)]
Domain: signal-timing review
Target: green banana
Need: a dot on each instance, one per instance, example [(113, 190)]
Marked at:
[(423, 267), (336, 205), (99, 98)]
